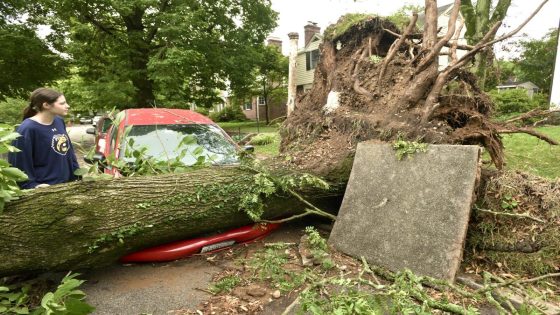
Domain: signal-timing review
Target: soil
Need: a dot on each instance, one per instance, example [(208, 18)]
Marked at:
[(381, 101)]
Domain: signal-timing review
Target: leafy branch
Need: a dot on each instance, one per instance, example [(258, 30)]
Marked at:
[(265, 184)]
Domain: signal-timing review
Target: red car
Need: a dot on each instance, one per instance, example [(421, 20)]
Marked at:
[(161, 131)]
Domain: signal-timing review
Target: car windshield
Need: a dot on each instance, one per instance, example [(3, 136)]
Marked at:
[(165, 142)]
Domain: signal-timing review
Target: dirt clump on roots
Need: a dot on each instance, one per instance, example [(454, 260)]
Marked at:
[(522, 233), (380, 102)]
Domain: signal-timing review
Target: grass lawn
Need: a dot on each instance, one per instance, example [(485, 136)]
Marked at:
[(527, 153), (268, 150), (247, 127), (522, 152)]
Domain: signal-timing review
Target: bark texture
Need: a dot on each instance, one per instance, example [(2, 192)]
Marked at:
[(78, 225)]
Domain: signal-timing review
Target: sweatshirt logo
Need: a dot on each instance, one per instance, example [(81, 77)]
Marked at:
[(60, 144)]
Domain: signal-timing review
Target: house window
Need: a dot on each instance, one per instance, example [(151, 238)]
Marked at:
[(248, 106), (260, 100), (311, 59)]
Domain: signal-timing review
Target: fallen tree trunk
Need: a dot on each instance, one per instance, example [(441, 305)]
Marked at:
[(91, 224)]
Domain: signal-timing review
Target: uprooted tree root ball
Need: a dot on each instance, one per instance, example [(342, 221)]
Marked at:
[(374, 84), (515, 226)]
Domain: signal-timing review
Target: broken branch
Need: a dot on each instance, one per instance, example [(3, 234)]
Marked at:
[(493, 286), (537, 112), (530, 132), (434, 51), (514, 215)]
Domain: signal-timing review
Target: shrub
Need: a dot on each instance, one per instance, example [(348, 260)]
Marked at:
[(263, 139), (516, 101), (11, 110), (202, 110), (229, 113)]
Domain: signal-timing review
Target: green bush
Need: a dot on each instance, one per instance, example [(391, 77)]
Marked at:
[(229, 113), (263, 139), (11, 111), (202, 110), (516, 101)]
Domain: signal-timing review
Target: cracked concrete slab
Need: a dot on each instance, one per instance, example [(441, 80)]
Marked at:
[(411, 213)]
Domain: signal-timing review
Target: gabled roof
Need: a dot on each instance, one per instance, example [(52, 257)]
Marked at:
[(510, 83), (316, 37), (440, 10)]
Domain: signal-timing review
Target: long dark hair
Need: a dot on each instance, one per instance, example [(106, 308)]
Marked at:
[(38, 97)]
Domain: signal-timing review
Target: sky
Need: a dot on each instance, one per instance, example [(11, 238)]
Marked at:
[(294, 15)]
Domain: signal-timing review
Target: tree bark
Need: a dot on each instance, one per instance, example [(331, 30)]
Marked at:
[(78, 225), (139, 56)]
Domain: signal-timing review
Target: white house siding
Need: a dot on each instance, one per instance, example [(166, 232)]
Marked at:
[(304, 77), (443, 20)]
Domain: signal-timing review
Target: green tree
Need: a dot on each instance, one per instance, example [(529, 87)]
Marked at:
[(157, 51), (502, 71), (537, 60), (26, 63), (479, 18), (272, 77), (401, 17)]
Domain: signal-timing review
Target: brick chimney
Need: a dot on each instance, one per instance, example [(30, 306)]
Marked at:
[(274, 41), (310, 29)]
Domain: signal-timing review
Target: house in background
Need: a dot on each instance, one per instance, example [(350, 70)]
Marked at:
[(444, 13), (308, 57), (529, 86), (255, 108)]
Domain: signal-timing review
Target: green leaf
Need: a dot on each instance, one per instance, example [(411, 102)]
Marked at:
[(46, 300), (198, 151), (78, 307), (81, 171), (14, 173), (20, 310), (188, 140), (10, 137)]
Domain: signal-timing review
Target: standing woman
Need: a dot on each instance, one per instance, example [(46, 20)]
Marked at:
[(46, 156)]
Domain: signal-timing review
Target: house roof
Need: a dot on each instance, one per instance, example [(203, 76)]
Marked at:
[(440, 10), (316, 36), (517, 83)]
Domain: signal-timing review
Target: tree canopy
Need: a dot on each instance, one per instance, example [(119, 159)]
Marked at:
[(136, 53), (537, 60), (25, 61), (272, 77), (479, 18)]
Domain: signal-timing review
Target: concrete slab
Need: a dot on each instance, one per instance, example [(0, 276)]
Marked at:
[(411, 213)]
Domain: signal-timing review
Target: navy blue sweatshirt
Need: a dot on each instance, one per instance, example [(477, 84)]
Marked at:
[(46, 156)]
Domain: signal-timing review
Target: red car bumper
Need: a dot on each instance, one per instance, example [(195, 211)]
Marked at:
[(182, 249)]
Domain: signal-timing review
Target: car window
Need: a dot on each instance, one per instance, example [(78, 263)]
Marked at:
[(113, 138), (164, 142), (106, 124)]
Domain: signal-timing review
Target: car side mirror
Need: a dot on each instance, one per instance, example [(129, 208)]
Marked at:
[(90, 131), (97, 157), (249, 148)]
